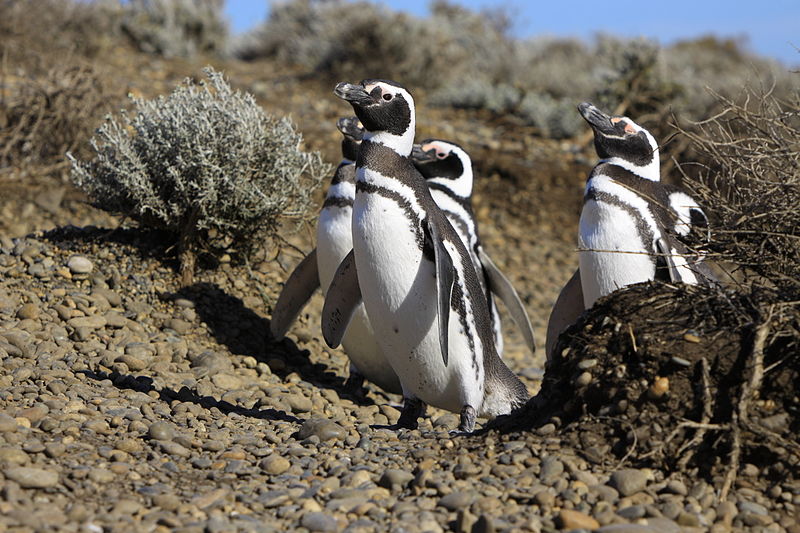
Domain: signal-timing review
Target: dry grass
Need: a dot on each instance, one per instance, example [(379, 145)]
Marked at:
[(43, 117)]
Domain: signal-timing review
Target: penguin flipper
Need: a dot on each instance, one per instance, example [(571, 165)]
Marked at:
[(566, 310), (499, 285), (344, 296), (297, 290), (444, 286)]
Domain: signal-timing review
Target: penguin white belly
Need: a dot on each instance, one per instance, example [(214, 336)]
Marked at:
[(334, 242), (398, 286), (612, 251)]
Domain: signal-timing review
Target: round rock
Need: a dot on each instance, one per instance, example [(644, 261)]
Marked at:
[(322, 428), (79, 264), (32, 478)]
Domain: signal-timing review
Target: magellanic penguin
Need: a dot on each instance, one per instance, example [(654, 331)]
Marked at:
[(334, 242), (447, 168), (627, 226), (688, 217), (415, 275), (629, 223)]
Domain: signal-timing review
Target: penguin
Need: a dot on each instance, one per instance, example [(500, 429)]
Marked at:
[(414, 275), (627, 228), (334, 241), (447, 168)]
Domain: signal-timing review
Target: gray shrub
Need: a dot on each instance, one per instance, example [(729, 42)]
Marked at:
[(175, 28), (204, 161)]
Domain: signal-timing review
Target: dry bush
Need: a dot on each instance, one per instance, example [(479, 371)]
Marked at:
[(206, 163), (175, 28), (750, 182), (55, 29), (42, 118), (353, 40)]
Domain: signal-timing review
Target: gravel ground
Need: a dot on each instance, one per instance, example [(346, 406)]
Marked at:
[(128, 404)]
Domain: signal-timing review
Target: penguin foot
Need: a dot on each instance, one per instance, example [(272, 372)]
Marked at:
[(468, 416), (354, 385), (413, 408)]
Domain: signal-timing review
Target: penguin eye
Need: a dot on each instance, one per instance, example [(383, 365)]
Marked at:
[(387, 97), (441, 155)]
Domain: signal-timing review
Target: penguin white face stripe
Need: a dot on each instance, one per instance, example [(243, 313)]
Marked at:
[(343, 189), (651, 171)]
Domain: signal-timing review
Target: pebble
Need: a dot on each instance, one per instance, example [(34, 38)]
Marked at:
[(321, 428), (570, 519), (629, 481), (275, 465), (28, 311), (456, 500), (319, 522), (161, 431), (79, 264), (394, 478), (7, 423), (32, 478)]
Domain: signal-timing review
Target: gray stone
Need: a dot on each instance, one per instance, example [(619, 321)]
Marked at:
[(395, 478), (90, 322), (322, 428), (213, 362), (628, 481), (173, 448), (32, 478), (161, 431), (226, 381), (551, 470), (79, 264), (28, 311), (456, 500), (752, 507), (318, 521), (275, 465), (7, 423)]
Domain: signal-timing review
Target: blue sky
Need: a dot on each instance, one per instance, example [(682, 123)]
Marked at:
[(771, 27)]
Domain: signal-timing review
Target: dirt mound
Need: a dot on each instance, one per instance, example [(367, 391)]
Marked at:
[(682, 378)]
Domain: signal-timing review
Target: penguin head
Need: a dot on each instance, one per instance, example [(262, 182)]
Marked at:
[(353, 133), (385, 108), (619, 140), (446, 162)]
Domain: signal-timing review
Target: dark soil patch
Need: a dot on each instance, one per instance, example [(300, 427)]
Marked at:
[(681, 378)]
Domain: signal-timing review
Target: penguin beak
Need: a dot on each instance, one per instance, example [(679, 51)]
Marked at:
[(355, 94), (598, 120), (351, 127), (421, 156)]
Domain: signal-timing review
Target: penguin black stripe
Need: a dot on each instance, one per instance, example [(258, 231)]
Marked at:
[(463, 202), (652, 191), (337, 201), (413, 217)]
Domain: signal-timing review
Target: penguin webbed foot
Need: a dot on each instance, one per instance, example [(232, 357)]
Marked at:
[(467, 424), (354, 385), (413, 409)]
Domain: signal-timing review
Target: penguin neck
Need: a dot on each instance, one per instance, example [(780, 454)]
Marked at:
[(402, 144), (650, 171)]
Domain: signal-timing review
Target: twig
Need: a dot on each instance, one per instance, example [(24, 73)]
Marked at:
[(704, 425), (749, 390)]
